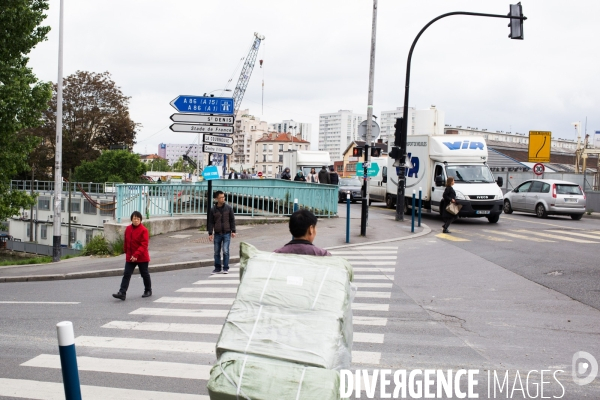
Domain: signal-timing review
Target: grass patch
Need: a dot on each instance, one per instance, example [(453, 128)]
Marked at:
[(26, 261)]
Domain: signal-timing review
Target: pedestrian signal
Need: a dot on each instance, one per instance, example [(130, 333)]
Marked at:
[(357, 152), (375, 152)]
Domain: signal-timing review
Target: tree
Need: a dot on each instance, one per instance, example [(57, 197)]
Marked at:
[(160, 165), (22, 96), (111, 166), (95, 116), (182, 166)]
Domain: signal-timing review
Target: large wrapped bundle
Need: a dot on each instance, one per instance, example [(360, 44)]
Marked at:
[(238, 376)]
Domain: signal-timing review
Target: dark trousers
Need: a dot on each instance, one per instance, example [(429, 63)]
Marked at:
[(448, 219), (129, 267)]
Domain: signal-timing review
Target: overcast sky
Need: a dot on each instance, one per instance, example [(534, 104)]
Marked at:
[(316, 59)]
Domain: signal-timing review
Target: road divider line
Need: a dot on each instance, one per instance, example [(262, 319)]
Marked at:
[(195, 300), (132, 367), (25, 388), (181, 312), (517, 236), (145, 344), (565, 238), (164, 327)]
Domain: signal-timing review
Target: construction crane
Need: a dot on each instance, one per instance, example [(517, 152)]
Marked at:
[(188, 159)]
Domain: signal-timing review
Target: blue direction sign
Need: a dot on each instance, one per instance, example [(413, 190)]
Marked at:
[(203, 105), (210, 172), (372, 171)]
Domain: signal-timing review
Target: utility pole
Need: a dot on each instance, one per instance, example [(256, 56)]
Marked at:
[(56, 253), (364, 215)]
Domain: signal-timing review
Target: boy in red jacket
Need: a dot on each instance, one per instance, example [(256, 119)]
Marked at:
[(136, 253)]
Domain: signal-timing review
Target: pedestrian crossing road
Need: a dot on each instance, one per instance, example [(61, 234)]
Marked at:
[(184, 325)]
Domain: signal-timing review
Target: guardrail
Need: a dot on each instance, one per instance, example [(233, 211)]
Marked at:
[(253, 197), (48, 186), (35, 248)]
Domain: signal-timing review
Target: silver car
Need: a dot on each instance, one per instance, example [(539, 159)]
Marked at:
[(546, 197)]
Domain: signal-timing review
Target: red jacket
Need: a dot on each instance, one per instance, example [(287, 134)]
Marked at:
[(136, 243)]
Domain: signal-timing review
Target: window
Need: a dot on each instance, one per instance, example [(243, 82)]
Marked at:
[(351, 168), (536, 187), (28, 231), (546, 188), (281, 158), (88, 208), (73, 235), (264, 158), (563, 189), (75, 205), (264, 169), (270, 158), (44, 203), (523, 188), (270, 148), (264, 147), (88, 236), (106, 208), (280, 147), (44, 232)]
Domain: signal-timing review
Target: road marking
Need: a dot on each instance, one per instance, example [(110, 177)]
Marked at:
[(535, 222), (376, 248), (164, 327), (146, 344), (180, 236), (208, 290), (576, 234), (340, 252), (358, 320), (133, 367), (195, 300), (177, 312), (350, 258), (375, 295), (367, 262), (29, 389), (39, 302), (517, 236), (205, 282), (364, 337), (373, 285), (366, 357), (451, 238), (385, 277), (370, 307), (375, 269), (224, 276), (568, 239)]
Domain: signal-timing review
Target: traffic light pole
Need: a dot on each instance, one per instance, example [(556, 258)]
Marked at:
[(364, 214), (400, 200)]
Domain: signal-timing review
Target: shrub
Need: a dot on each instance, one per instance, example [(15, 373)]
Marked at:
[(98, 246), (117, 246)]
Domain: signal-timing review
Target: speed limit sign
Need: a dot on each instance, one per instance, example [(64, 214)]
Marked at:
[(538, 169)]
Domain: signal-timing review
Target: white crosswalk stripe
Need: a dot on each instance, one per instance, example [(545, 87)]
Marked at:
[(195, 300), (556, 237), (375, 277), (208, 290), (373, 285), (378, 295), (216, 282), (585, 235), (177, 312), (374, 269), (164, 327), (145, 344)]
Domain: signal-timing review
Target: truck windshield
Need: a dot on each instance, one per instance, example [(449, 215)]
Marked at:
[(470, 173)]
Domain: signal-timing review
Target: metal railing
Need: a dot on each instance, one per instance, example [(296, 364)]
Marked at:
[(48, 186), (36, 248), (253, 197)]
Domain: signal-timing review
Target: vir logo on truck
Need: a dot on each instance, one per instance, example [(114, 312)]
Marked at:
[(465, 144)]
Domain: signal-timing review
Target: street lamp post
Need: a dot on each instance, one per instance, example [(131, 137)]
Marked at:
[(515, 13)]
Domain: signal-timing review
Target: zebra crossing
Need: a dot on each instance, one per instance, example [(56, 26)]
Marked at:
[(199, 311), (536, 236)]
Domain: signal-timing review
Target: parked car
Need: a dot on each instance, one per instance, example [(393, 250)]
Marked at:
[(546, 197), (352, 186)]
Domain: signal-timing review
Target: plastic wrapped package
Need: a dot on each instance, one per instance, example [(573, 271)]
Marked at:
[(238, 376), (315, 338)]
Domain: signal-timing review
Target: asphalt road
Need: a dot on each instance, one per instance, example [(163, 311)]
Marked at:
[(476, 299)]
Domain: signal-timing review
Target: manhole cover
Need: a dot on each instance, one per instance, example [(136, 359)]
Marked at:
[(555, 273)]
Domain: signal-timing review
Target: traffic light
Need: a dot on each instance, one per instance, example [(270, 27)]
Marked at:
[(395, 153), (375, 151), (398, 136), (357, 152), (516, 25)]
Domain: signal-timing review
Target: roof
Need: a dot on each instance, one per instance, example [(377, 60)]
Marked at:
[(281, 137), (361, 143)]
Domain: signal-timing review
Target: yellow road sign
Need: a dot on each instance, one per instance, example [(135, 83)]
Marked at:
[(539, 146)]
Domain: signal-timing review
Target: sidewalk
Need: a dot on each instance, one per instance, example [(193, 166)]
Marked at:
[(191, 248)]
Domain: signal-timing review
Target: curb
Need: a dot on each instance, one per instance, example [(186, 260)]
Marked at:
[(592, 216), (178, 266)]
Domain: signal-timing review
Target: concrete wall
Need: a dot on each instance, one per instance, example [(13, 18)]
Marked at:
[(593, 201), (113, 230)]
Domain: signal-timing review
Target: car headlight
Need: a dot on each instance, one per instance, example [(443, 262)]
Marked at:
[(499, 197), (461, 196)]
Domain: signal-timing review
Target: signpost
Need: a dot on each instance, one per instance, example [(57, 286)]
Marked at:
[(539, 146), (203, 105), (217, 139), (372, 169), (362, 130), (199, 118), (538, 169), (201, 128), (207, 148)]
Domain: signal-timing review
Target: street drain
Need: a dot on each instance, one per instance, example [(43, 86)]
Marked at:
[(555, 273)]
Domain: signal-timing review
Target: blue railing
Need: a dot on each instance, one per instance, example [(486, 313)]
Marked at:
[(254, 197)]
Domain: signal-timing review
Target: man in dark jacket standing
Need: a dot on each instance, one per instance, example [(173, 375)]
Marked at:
[(324, 175), (334, 178), (303, 227), (222, 220), (286, 174)]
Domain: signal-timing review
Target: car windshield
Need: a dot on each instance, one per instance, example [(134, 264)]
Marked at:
[(470, 173), (349, 182), (568, 189)]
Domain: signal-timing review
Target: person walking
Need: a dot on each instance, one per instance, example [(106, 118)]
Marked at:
[(303, 227), (222, 220), (135, 246), (449, 196), (312, 177), (285, 175), (324, 175), (299, 177), (334, 178), (233, 174)]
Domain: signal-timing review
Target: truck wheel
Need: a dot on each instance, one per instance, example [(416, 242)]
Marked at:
[(493, 218), (507, 208), (389, 201)]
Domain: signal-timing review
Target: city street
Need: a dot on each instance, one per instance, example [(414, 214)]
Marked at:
[(515, 296)]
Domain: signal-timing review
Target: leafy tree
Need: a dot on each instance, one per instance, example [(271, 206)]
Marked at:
[(95, 116), (111, 166), (159, 164), (22, 96), (182, 166)]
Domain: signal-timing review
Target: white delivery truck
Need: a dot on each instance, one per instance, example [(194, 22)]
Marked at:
[(304, 160), (432, 159)]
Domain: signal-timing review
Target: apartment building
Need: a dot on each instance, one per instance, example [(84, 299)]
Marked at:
[(293, 127), (247, 130), (337, 130), (270, 148)]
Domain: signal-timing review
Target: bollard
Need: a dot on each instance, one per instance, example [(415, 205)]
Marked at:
[(68, 360), (348, 218), (420, 204), (412, 209)]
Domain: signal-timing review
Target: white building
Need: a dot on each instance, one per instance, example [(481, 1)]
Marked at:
[(337, 131), (173, 151), (420, 122), (248, 129), (293, 127)]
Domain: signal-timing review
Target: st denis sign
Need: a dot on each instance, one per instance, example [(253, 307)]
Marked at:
[(203, 105)]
